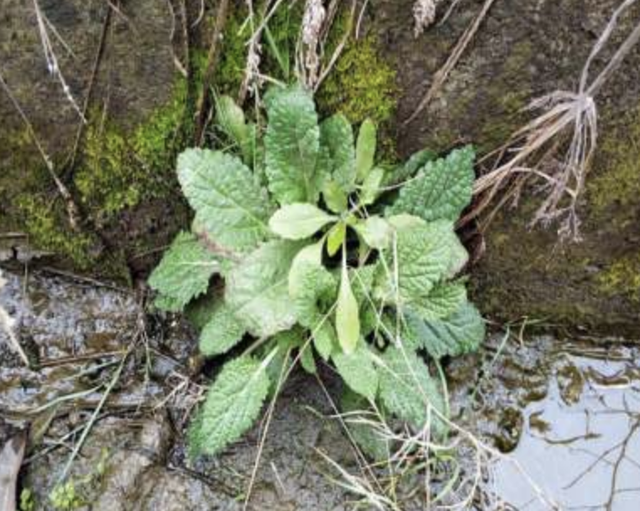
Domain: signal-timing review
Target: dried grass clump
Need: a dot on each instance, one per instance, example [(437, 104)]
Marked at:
[(424, 14), (312, 24), (534, 147)]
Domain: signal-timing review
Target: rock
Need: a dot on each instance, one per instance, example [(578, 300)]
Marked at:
[(524, 50), (11, 456), (135, 106)]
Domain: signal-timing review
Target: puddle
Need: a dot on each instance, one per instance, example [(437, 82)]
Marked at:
[(580, 443), (568, 414)]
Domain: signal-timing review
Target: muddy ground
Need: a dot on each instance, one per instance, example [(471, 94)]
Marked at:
[(564, 413)]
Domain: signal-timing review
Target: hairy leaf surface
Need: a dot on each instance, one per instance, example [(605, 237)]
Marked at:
[(441, 190), (222, 332), (338, 153), (257, 285), (292, 145), (358, 370), (183, 273), (232, 405), (406, 389), (228, 201)]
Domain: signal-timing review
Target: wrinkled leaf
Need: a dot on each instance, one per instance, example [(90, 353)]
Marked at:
[(358, 371), (422, 259), (460, 333), (222, 332), (407, 389), (183, 273), (441, 190), (324, 339), (292, 143), (256, 288), (233, 403), (358, 411), (229, 203), (407, 170), (336, 141)]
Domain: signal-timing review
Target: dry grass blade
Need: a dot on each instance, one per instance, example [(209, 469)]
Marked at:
[(443, 73), (563, 114)]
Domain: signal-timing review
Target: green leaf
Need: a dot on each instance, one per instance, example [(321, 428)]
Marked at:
[(232, 405), (460, 333), (357, 411), (334, 196), (358, 370), (312, 289), (375, 231), (365, 149), (371, 186), (307, 361), (441, 190), (324, 339), (442, 300), (336, 141), (230, 118), (406, 388), (347, 315), (292, 144), (299, 221), (183, 273), (406, 170), (222, 332), (229, 203), (422, 259), (256, 289), (336, 238)]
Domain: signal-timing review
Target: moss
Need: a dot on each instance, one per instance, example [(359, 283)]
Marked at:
[(618, 184), (278, 47), (622, 278), (362, 85), (119, 168), (44, 221), (505, 99)]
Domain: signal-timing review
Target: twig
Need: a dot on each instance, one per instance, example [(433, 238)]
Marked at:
[(212, 61), (94, 73), (72, 210), (443, 73), (338, 51), (50, 56)]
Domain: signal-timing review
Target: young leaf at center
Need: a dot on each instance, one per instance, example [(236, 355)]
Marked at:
[(347, 313)]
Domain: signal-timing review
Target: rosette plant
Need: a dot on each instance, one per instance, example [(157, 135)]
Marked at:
[(319, 254)]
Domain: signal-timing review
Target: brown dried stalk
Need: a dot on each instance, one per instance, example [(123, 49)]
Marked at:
[(572, 114)]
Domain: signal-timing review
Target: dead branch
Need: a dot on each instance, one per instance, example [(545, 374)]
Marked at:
[(72, 210), (94, 73), (443, 73)]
